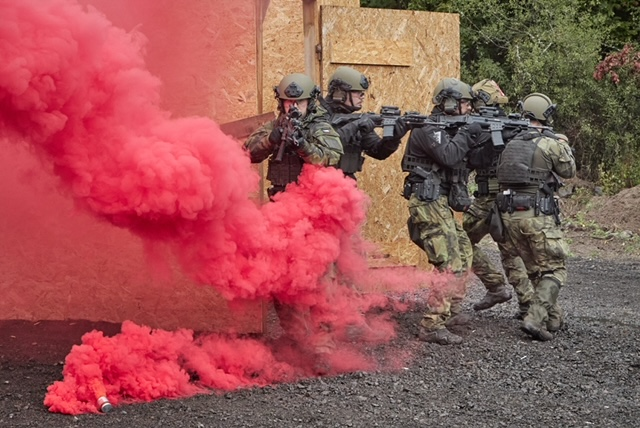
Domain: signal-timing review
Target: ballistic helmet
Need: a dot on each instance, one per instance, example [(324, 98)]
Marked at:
[(488, 94), (449, 92), (451, 88), (347, 79), (537, 106), (296, 86)]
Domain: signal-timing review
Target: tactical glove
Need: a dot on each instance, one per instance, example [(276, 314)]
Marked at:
[(297, 139), (400, 128), (276, 135), (365, 125), (473, 132)]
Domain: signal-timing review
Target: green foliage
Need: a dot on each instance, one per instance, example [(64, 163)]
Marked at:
[(618, 76)]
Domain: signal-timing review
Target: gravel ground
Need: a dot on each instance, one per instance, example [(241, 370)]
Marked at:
[(587, 377)]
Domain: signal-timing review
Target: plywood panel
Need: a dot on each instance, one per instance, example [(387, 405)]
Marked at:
[(370, 52), (283, 46), (434, 39), (203, 51)]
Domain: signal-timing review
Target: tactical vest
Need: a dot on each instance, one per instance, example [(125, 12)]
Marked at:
[(352, 160), (519, 166), (287, 171)]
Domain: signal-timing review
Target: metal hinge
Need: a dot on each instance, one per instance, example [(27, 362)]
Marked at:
[(319, 51)]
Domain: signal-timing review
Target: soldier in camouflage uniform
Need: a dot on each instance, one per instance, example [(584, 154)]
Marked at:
[(528, 174), (436, 185), (484, 161), (346, 92), (313, 141), (303, 137)]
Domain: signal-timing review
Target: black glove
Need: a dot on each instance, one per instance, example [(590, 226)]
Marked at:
[(400, 128), (365, 125), (474, 132), (276, 135), (297, 139)]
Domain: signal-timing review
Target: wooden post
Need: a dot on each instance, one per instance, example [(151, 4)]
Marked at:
[(309, 19)]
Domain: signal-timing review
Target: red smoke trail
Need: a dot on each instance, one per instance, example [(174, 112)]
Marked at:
[(75, 88)]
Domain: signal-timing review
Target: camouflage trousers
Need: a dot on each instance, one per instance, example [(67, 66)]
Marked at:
[(434, 228), (474, 223), (540, 243)]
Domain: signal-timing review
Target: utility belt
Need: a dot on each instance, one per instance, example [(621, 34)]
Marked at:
[(427, 190), (512, 202), (432, 187)]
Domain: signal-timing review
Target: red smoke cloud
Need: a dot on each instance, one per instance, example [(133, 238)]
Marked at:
[(75, 88)]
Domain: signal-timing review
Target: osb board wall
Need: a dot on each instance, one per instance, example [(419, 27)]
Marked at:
[(404, 54), (283, 46), (58, 263), (204, 51), (283, 41)]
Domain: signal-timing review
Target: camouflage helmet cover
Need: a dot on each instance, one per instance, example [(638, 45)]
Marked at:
[(296, 86), (348, 79), (488, 93)]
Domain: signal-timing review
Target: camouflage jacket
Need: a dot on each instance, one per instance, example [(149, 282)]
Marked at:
[(322, 144)]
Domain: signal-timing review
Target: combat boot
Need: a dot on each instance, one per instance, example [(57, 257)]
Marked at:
[(535, 329), (523, 308), (492, 298), (364, 333), (556, 319), (458, 319), (441, 336)]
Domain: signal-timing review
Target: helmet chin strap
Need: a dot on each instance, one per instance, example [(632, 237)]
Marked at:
[(342, 96)]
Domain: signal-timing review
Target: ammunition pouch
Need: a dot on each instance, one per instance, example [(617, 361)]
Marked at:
[(286, 171), (459, 199), (486, 187)]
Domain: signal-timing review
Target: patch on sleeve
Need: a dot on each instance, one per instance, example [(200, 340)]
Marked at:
[(437, 136)]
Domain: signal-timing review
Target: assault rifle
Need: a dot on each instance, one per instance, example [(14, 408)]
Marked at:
[(290, 124), (385, 120), (489, 118)]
